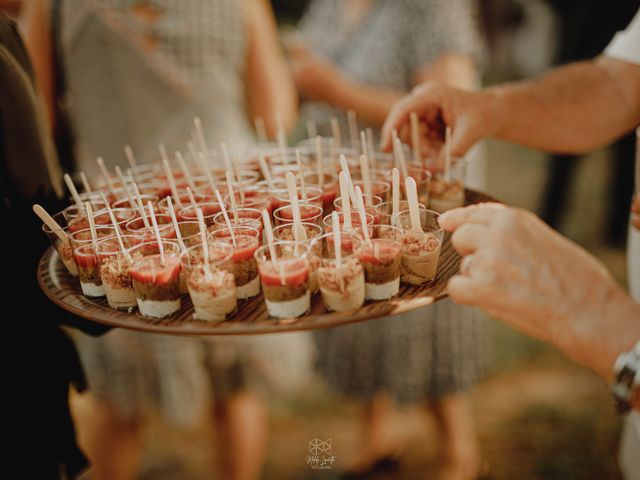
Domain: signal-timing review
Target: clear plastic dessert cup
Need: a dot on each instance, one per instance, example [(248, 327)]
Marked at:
[(370, 208), (209, 211), (381, 258), (308, 214), (114, 266), (211, 285), (284, 234), (245, 267), (165, 227), (83, 237), (252, 197), (246, 217), (341, 285), (446, 194), (355, 221), (156, 281), (422, 175), (420, 249), (219, 232), (285, 282), (385, 211), (379, 188), (330, 188), (314, 196), (64, 249), (76, 217), (88, 271), (190, 232)]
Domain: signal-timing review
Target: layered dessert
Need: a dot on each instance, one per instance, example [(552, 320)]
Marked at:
[(212, 292), (209, 211), (355, 221), (253, 197), (422, 176), (445, 195), (245, 266), (286, 287), (329, 188), (381, 259), (64, 248), (88, 271), (156, 284), (385, 211), (115, 272), (246, 217), (379, 188), (314, 196), (370, 207), (420, 255), (165, 227), (342, 286)]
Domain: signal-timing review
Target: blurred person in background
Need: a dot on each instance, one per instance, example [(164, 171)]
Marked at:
[(517, 268), (137, 72), (364, 55), (40, 361)]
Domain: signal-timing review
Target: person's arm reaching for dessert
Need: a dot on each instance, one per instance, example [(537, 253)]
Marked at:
[(572, 109), (521, 271), (269, 87)]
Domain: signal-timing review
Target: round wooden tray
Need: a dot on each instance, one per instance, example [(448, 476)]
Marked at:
[(252, 317)]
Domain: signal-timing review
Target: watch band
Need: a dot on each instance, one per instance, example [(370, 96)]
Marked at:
[(626, 380)]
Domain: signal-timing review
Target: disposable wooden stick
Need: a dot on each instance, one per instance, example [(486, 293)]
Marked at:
[(85, 183), (363, 143), (319, 161), (185, 170), (299, 232), (345, 168), (176, 227), (261, 130), (192, 199), (226, 216), (105, 174), (200, 137), (346, 201), (312, 130), (371, 148), (363, 215), (128, 151), (122, 181), (412, 199), (116, 227), (415, 137), (51, 223), (447, 155), (400, 158), (205, 245), (264, 168), (140, 206), (172, 181), (335, 131), (366, 180), (271, 244), (337, 246), (156, 231), (232, 169), (353, 128), (232, 197), (92, 227), (118, 234), (72, 189), (303, 185), (205, 167), (395, 192)]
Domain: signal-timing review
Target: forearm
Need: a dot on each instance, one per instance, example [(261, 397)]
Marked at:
[(371, 104), (573, 109), (606, 326), (268, 85)]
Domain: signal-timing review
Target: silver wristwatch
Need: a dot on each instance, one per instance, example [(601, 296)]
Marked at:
[(626, 380)]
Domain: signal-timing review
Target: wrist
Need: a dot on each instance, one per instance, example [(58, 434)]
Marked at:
[(494, 107), (604, 326)]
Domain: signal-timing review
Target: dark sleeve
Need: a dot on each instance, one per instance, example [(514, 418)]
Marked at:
[(432, 28)]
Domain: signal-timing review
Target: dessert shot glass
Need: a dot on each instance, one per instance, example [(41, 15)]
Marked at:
[(385, 211), (244, 265), (64, 249), (447, 193), (285, 281), (114, 267), (284, 235), (88, 271), (420, 250), (308, 214), (156, 279)]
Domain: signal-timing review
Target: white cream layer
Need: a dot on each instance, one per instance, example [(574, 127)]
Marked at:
[(92, 290), (291, 308), (158, 308), (248, 290), (382, 291), (351, 299), (213, 308)]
